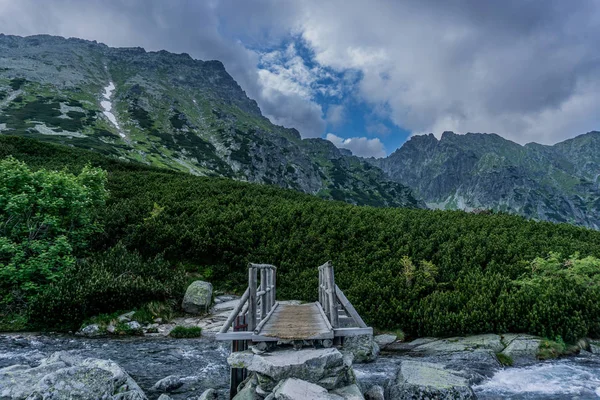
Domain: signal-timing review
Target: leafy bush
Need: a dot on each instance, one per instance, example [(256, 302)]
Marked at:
[(115, 280), (155, 309), (549, 349), (46, 219), (186, 332)]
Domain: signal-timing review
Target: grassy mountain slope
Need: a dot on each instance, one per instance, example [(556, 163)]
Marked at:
[(169, 110), (481, 279), (557, 183)]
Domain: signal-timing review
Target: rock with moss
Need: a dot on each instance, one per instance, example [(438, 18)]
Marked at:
[(419, 380), (522, 349), (198, 297), (64, 376), (363, 348), (384, 340)]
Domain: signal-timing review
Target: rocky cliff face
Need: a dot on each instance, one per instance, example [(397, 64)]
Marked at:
[(559, 183), (169, 110)]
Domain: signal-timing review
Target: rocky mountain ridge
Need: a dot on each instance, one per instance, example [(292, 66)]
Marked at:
[(169, 110), (476, 171)]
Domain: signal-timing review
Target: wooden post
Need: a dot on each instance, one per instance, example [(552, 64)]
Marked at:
[(271, 288), (320, 288), (251, 298), (333, 307), (263, 288), (274, 285), (268, 290)]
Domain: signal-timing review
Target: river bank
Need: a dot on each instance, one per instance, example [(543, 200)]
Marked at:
[(202, 364)]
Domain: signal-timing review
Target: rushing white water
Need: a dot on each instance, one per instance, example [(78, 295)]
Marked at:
[(565, 379), (107, 105)]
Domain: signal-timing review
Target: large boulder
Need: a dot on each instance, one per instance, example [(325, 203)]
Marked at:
[(459, 344), (325, 367), (384, 340), (63, 376), (297, 389), (375, 392), (350, 392), (198, 297), (363, 348), (522, 349), (419, 380)]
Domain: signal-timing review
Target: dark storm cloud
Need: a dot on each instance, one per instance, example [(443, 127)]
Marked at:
[(528, 70)]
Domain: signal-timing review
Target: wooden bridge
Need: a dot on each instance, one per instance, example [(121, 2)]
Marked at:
[(259, 317)]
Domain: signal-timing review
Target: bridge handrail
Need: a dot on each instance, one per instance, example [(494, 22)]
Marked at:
[(253, 300), (327, 295), (331, 296)]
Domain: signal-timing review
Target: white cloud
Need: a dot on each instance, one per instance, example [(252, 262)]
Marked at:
[(335, 114), (525, 71), (378, 129), (360, 146)]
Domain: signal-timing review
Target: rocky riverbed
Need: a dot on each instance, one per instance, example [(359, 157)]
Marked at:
[(199, 364), (155, 365)]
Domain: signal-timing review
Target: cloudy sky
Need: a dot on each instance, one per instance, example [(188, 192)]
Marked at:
[(367, 74)]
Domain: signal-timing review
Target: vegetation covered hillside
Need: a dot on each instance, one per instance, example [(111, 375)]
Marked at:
[(427, 272), (559, 183), (169, 110)]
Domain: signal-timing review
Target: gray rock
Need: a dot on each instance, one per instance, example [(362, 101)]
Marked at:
[(247, 393), (456, 344), (208, 394), (198, 297), (63, 376), (134, 326), (384, 340), (126, 317), (522, 349), (164, 397), (423, 380), (297, 389), (312, 365), (375, 392), (595, 348), (351, 392), (363, 348), (90, 331), (168, 384)]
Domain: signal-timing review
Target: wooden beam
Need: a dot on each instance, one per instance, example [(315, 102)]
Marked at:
[(261, 266), (332, 302), (324, 316), (263, 289), (252, 298), (235, 312), (349, 308), (326, 265), (337, 332), (265, 319)]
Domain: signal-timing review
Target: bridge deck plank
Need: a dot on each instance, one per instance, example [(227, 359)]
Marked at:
[(297, 322)]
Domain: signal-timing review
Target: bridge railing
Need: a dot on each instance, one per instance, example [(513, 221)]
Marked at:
[(332, 298), (259, 299)]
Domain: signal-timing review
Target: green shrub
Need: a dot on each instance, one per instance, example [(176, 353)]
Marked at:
[(114, 280), (549, 349), (155, 309), (429, 273), (186, 332), (46, 220)]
